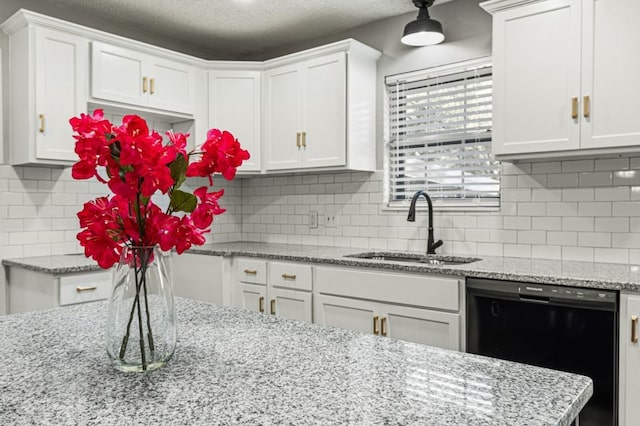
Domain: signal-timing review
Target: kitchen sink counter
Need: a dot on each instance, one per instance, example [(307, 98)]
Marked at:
[(237, 367), (579, 274)]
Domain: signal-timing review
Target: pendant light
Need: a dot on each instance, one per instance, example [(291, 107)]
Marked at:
[(424, 31)]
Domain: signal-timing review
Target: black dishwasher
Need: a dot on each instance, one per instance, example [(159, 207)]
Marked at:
[(563, 328)]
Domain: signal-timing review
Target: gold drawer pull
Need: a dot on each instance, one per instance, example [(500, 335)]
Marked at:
[(289, 276), (273, 306), (586, 106), (574, 107), (152, 85), (81, 289), (634, 329), (375, 325), (41, 117), (250, 272), (261, 305), (145, 84), (298, 140), (383, 326), (304, 139)]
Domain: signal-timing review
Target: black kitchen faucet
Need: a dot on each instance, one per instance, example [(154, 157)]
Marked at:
[(431, 246)]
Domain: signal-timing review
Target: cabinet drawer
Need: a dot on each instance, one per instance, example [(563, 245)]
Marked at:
[(84, 287), (252, 271), (407, 289), (290, 275)]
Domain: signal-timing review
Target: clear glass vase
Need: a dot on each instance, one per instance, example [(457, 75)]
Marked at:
[(141, 324)]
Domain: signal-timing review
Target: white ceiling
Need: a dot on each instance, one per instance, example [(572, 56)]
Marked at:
[(240, 28)]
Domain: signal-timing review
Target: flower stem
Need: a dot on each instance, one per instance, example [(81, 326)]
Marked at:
[(146, 302)]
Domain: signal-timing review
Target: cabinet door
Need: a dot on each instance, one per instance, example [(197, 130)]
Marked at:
[(431, 328), (234, 105), (61, 75), (629, 375), (251, 297), (171, 85), (536, 74), (117, 74), (324, 112), (283, 117), (198, 276), (610, 73), (290, 304), (352, 314)]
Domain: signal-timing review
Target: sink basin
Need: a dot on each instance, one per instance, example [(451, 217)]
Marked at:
[(430, 259)]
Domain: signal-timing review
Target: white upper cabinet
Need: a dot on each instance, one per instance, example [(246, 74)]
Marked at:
[(234, 105), (132, 77), (564, 81), (319, 109), (47, 86)]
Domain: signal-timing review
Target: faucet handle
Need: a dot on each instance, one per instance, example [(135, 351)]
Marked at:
[(436, 244)]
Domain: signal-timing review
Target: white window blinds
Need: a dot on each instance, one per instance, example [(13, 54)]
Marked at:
[(439, 138)]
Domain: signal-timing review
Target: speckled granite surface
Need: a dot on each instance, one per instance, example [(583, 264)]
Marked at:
[(579, 274), (236, 367)]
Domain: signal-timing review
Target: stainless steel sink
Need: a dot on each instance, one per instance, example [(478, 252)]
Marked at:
[(431, 259)]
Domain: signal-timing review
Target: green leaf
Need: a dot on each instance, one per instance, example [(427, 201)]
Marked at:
[(183, 201), (178, 168)]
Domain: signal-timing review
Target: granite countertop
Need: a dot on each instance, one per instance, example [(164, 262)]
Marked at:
[(579, 274), (238, 367)]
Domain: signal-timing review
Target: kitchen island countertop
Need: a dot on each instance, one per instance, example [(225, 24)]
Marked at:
[(238, 367)]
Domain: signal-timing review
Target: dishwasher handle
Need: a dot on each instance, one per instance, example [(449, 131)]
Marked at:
[(534, 299)]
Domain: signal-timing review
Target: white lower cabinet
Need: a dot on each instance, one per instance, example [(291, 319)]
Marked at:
[(33, 291), (198, 276), (285, 290), (413, 307), (629, 369)]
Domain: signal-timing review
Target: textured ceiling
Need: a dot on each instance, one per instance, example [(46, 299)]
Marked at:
[(240, 28)]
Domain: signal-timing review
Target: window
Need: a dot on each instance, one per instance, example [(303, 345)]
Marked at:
[(439, 137)]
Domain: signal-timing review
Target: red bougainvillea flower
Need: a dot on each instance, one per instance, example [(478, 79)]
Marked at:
[(138, 164), (207, 208), (221, 153), (92, 145)]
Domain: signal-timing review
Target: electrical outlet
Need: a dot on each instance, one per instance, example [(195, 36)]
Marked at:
[(331, 217), (313, 219)]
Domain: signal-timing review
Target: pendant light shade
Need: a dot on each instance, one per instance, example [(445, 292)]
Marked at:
[(424, 31)]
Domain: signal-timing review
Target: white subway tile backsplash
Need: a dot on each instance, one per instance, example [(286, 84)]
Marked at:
[(611, 255), (562, 180), (612, 224), (592, 179), (612, 164), (572, 209), (546, 167), (583, 254), (578, 194), (577, 166), (577, 223), (612, 194)]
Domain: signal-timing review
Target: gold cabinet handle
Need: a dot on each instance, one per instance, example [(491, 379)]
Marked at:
[(298, 140), (586, 106), (81, 289), (261, 304), (273, 306), (375, 325), (145, 84), (634, 329), (304, 139), (383, 326), (41, 117), (289, 276), (152, 85), (250, 272), (574, 107)]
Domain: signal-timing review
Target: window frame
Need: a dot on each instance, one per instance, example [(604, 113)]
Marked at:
[(439, 205)]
